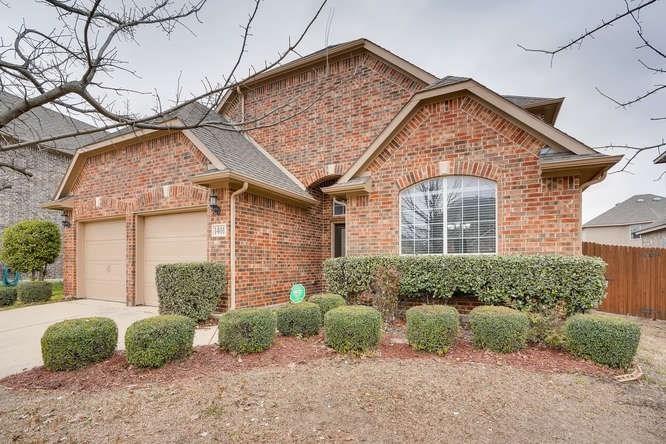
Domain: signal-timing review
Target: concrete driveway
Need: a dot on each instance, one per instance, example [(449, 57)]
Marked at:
[(21, 329)]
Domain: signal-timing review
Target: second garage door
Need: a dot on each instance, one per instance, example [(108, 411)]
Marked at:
[(168, 239)]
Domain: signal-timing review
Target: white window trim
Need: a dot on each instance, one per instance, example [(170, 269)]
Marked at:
[(445, 238)]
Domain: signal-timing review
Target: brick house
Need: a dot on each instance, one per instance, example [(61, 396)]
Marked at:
[(354, 151), (47, 162)]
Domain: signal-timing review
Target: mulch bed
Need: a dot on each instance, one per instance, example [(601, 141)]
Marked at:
[(288, 351)]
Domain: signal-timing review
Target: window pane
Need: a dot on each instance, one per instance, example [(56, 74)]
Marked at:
[(454, 229), (487, 228), (487, 212), (454, 214), (407, 247), (437, 231), (454, 245), (487, 245), (421, 232), (436, 246), (471, 213), (470, 229), (436, 216), (470, 245), (421, 247)]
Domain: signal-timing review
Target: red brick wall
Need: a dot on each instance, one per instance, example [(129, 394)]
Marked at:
[(348, 103), (462, 136), (277, 245)]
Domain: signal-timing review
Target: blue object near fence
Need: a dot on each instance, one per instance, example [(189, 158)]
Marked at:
[(7, 277)]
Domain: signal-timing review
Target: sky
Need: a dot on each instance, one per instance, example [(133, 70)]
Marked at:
[(476, 39)]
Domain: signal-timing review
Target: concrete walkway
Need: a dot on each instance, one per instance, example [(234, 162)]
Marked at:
[(21, 329)]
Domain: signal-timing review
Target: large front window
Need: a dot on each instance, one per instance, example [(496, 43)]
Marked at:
[(453, 214)]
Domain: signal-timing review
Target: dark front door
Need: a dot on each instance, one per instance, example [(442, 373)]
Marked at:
[(338, 240)]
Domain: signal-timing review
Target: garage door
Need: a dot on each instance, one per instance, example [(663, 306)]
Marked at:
[(103, 252), (169, 239)]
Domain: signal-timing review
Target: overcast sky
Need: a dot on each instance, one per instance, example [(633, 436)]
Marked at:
[(476, 39)]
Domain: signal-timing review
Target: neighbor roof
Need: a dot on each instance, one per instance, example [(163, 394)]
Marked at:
[(638, 209), (42, 122), (655, 226)]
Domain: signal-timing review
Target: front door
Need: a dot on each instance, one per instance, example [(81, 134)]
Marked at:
[(339, 246)]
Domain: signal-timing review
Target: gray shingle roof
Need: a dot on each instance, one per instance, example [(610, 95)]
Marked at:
[(654, 226), (42, 122), (238, 153), (641, 208)]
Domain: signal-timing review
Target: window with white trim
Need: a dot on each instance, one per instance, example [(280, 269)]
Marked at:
[(452, 214)]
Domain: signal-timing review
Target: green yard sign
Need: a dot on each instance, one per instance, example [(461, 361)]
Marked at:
[(297, 293)]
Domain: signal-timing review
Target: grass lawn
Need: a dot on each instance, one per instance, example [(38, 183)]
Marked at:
[(56, 297)]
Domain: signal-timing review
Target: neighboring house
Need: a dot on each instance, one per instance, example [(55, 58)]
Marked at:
[(355, 151), (22, 196), (635, 222)]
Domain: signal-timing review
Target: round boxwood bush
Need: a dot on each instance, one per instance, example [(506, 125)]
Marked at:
[(303, 319), (76, 343), (7, 296), (247, 330), (500, 329), (353, 328), (605, 340), (34, 291), (152, 342), (432, 328), (327, 301)]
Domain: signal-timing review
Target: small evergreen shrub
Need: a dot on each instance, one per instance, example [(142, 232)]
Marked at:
[(30, 246), (605, 340), (303, 319), (327, 301), (75, 343), (432, 328), (247, 330), (353, 328), (385, 291), (499, 329), (190, 289), (7, 296), (152, 342), (34, 291)]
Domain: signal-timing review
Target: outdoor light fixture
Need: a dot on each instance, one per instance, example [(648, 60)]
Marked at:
[(212, 203), (65, 220)]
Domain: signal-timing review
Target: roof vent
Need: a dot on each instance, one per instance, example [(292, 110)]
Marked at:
[(656, 198), (640, 199)]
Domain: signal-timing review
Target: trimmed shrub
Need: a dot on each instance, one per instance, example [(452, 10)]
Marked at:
[(385, 291), (605, 340), (327, 301), (499, 329), (34, 291), (152, 342), (30, 245), (432, 328), (247, 330), (534, 282), (75, 343), (7, 296), (303, 319), (353, 328), (190, 289)]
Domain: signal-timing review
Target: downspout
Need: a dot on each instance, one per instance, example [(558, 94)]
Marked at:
[(232, 236)]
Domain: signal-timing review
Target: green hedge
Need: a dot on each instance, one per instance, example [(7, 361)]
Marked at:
[(7, 296), (152, 342), (34, 291), (606, 340), (432, 328), (536, 282), (76, 343), (327, 301), (190, 289), (353, 328), (303, 319), (247, 330), (499, 329)]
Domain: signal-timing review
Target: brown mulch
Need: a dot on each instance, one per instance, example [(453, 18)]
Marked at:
[(288, 351)]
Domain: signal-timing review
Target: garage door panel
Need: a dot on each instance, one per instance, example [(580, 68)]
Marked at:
[(168, 239), (103, 261)]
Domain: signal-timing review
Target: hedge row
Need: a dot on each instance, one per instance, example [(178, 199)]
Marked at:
[(535, 282), (190, 289), (7, 296), (34, 291)]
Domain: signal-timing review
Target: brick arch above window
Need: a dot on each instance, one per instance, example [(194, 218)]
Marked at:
[(448, 168), (323, 174)]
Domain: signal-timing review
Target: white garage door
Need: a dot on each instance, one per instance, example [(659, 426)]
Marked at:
[(170, 239), (102, 265)]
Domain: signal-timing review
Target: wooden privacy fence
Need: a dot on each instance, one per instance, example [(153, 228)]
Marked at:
[(636, 279)]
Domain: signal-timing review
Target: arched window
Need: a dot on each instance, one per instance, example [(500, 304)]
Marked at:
[(453, 214)]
